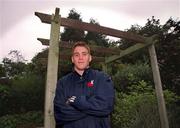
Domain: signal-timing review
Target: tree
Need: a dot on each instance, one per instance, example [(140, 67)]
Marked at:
[(70, 34), (2, 71), (14, 64), (168, 52), (96, 38), (167, 47)]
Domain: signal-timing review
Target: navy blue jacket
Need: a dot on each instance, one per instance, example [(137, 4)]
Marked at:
[(94, 101)]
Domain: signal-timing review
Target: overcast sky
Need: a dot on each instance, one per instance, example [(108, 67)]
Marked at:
[(20, 28)]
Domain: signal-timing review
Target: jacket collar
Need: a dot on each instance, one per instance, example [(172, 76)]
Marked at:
[(78, 76)]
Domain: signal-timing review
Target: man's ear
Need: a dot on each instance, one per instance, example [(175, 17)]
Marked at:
[(90, 58), (72, 60)]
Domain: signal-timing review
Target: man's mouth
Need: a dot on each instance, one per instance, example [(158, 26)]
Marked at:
[(80, 62)]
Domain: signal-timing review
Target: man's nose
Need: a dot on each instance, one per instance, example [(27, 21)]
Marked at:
[(80, 56)]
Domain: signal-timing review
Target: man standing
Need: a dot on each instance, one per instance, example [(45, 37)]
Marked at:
[(85, 97)]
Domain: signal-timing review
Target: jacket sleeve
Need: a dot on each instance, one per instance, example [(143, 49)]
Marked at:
[(101, 103), (64, 113)]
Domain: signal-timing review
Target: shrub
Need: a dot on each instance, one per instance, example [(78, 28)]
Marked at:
[(25, 94), (28, 93), (132, 74), (30, 120), (138, 108), (4, 96)]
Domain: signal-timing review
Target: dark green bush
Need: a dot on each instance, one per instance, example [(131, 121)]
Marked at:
[(27, 120), (4, 98), (138, 108), (28, 93), (25, 94), (128, 75)]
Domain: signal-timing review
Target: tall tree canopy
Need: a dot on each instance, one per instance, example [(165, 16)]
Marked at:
[(167, 47), (70, 34), (96, 38)]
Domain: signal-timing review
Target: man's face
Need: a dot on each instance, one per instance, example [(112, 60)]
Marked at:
[(81, 58)]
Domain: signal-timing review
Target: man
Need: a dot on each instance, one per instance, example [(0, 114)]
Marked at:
[(85, 97)]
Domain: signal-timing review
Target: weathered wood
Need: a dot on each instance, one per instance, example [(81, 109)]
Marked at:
[(158, 88), (96, 49), (127, 51), (71, 23), (94, 59), (68, 57), (52, 69), (104, 67)]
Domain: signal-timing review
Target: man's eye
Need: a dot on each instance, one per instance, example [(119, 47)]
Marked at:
[(85, 54), (76, 55)]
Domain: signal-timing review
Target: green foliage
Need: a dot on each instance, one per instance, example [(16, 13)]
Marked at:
[(2, 71), (168, 52), (167, 49), (136, 102), (25, 94), (29, 120), (28, 93), (14, 64), (4, 92), (4, 96), (170, 97), (135, 111), (151, 27), (139, 109), (13, 68), (128, 75), (39, 63), (140, 87)]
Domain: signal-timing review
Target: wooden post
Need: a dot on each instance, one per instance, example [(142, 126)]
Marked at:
[(158, 88), (104, 67), (52, 70)]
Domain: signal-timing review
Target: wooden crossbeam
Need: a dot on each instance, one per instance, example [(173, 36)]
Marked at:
[(71, 23), (68, 57), (128, 51), (94, 58), (96, 49), (43, 61)]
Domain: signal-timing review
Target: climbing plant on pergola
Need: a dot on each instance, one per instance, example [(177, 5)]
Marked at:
[(54, 43)]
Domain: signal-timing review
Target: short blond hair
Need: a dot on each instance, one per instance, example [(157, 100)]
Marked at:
[(81, 44)]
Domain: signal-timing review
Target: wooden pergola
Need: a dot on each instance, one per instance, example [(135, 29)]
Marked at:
[(53, 57)]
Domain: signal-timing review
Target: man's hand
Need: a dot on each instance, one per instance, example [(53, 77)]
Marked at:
[(71, 99)]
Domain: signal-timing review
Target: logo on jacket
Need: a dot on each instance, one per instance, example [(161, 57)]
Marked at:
[(91, 83)]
